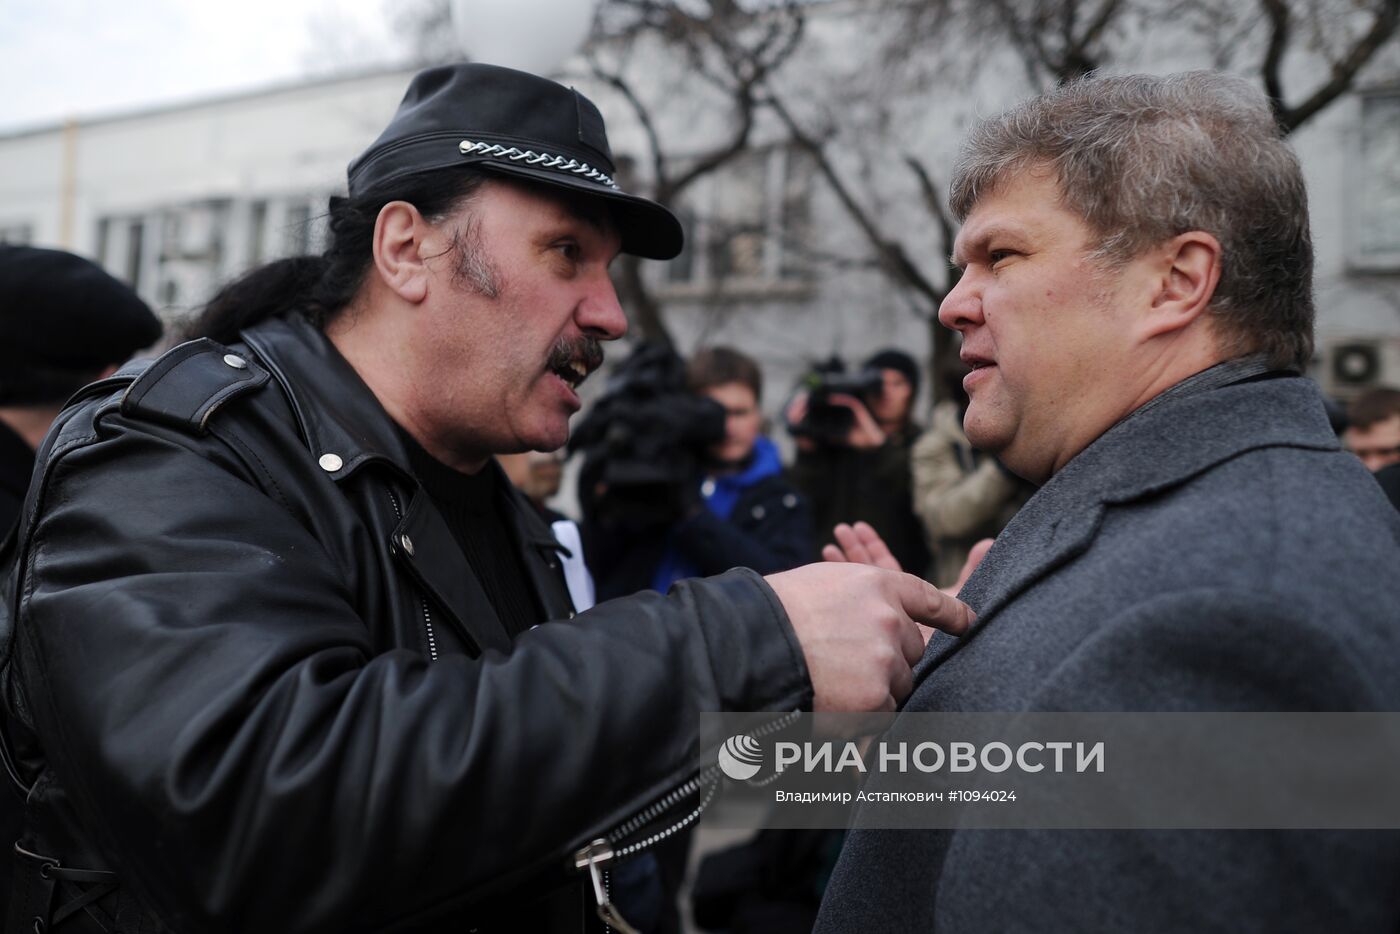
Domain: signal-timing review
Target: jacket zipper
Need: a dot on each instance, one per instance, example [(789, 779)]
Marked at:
[(610, 846), (422, 601)]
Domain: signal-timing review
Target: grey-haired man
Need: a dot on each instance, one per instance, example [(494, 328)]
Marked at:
[(1136, 306)]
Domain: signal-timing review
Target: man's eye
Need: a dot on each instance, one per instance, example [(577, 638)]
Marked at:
[(569, 250), (996, 256)]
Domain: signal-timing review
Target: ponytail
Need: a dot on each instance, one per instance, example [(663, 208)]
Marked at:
[(257, 295)]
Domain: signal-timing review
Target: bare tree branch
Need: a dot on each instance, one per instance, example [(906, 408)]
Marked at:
[(947, 231), (893, 256), (1100, 22), (1280, 31), (643, 114), (940, 338), (1344, 72)]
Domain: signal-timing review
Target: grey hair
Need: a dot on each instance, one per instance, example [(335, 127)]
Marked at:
[(472, 265), (1142, 159)]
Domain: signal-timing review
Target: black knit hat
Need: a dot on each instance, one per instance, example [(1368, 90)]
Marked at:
[(891, 359), (512, 123), (62, 319)]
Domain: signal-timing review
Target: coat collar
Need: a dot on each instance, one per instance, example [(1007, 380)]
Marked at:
[(339, 415), (1218, 414)]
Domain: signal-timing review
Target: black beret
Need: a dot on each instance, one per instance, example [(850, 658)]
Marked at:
[(62, 312), (512, 123), (891, 359)]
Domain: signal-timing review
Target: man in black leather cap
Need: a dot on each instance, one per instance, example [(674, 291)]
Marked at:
[(278, 661), (64, 322)]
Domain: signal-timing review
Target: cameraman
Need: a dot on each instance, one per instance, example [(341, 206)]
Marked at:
[(736, 511), (864, 474)]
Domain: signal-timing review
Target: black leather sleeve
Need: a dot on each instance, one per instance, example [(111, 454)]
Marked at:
[(207, 695)]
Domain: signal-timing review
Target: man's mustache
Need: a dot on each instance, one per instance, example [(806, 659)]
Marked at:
[(585, 350)]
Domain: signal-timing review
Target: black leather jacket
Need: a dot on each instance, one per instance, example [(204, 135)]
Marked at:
[(252, 677)]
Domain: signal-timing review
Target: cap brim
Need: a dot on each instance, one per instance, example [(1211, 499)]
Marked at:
[(647, 229)]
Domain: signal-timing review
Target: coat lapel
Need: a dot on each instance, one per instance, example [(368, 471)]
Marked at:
[(1202, 421), (1049, 532), (427, 547), (540, 552)]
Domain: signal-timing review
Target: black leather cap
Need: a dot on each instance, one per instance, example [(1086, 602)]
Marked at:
[(517, 124), (62, 312)]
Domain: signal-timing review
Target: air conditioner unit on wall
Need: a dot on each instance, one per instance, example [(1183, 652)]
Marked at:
[(1352, 365), (1355, 364)]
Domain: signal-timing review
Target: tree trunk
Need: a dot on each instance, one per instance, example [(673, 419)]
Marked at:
[(643, 310)]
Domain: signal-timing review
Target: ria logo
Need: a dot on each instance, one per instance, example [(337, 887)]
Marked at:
[(740, 757)]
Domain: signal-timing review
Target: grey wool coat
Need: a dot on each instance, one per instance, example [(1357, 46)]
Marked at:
[(1214, 551)]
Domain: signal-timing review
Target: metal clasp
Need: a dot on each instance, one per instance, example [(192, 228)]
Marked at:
[(591, 857)]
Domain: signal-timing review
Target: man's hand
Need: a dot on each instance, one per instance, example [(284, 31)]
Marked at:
[(865, 431), (861, 544), (796, 412), (859, 627)]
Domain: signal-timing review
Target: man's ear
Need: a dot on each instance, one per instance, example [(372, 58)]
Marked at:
[(1188, 272), (399, 232)]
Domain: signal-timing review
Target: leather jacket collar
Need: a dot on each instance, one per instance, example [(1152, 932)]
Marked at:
[(338, 415)]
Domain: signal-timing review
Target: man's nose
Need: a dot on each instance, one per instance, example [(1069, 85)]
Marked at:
[(600, 312), (962, 307)]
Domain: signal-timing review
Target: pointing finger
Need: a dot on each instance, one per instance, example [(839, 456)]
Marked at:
[(927, 604)]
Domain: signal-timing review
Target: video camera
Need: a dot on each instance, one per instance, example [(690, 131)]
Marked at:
[(645, 442), (826, 421)]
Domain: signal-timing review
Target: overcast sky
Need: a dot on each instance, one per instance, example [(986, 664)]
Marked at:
[(81, 58)]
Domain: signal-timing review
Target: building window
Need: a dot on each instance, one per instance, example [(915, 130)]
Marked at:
[(120, 245), (297, 230), (1377, 228), (743, 224), (178, 255), (257, 235), (18, 234)]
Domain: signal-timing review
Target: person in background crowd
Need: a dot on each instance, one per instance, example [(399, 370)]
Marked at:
[(741, 512), (961, 494), (744, 514), (865, 476), (1373, 434), (538, 475), (64, 323), (1373, 427)]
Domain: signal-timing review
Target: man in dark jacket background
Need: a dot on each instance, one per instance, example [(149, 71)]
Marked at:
[(64, 322), (741, 512), (287, 652), (866, 475)]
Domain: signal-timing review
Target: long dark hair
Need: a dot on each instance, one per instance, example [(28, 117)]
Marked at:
[(319, 287)]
